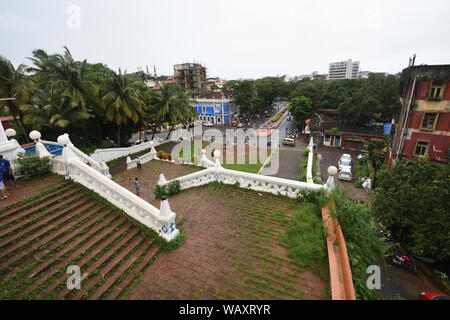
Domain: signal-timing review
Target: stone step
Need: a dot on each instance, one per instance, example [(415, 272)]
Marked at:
[(104, 270), (74, 202), (96, 265), (62, 265), (35, 246), (46, 263), (66, 240), (140, 267), (120, 270), (34, 213), (35, 202), (111, 237), (80, 207)]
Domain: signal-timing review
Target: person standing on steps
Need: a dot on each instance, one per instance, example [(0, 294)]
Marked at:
[(138, 162), (3, 188), (136, 185), (6, 170)]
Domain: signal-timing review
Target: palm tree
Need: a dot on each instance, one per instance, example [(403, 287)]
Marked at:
[(61, 75), (172, 106), (48, 111), (14, 83), (121, 102)]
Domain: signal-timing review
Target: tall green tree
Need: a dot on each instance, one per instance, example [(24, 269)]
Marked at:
[(172, 105), (14, 83), (267, 89), (412, 199), (121, 102), (244, 97), (301, 109), (60, 74), (47, 111)]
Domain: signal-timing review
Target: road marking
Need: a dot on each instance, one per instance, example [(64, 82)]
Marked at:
[(267, 160)]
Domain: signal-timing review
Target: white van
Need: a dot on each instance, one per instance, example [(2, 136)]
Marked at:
[(289, 141)]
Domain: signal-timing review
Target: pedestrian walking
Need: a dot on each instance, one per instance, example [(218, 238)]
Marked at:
[(6, 170), (3, 188), (138, 162), (136, 185)]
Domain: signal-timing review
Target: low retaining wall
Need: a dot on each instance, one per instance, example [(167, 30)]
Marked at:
[(340, 272), (114, 153)]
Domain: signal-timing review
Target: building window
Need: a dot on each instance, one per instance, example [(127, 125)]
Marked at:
[(327, 138), (436, 90), (429, 121), (422, 148), (337, 141)]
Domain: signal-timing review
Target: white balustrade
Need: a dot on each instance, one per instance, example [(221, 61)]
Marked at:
[(309, 175), (114, 153), (260, 183), (70, 165), (144, 158)]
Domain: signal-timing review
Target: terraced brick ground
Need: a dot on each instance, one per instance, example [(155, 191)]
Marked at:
[(66, 226), (149, 174), (232, 249)]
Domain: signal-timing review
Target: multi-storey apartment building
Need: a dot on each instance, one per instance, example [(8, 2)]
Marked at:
[(343, 70), (190, 76), (422, 127)]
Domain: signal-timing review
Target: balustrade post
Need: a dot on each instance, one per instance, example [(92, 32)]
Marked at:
[(153, 150), (217, 164), (162, 180), (332, 171)]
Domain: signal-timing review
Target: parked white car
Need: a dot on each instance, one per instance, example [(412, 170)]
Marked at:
[(240, 125), (344, 163), (346, 156), (345, 173), (207, 124)]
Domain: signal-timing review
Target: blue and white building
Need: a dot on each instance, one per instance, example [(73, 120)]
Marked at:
[(217, 111)]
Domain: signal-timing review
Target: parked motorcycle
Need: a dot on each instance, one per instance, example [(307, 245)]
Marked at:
[(387, 234), (405, 261)]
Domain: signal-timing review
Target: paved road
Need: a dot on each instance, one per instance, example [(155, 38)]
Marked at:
[(330, 157), (254, 124), (289, 157)]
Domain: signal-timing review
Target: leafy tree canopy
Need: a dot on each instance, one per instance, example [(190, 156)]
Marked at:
[(412, 199)]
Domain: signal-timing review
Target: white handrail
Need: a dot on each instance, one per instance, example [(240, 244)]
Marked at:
[(162, 221), (274, 185)]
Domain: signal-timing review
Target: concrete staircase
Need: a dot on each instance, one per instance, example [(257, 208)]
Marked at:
[(68, 225)]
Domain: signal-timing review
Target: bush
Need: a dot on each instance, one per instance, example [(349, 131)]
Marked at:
[(364, 246), (161, 154), (160, 191), (33, 167), (173, 187), (315, 197), (305, 239)]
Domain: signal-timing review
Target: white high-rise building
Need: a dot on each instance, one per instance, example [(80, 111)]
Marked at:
[(343, 70)]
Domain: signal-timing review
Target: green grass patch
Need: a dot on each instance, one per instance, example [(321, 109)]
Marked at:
[(305, 238)]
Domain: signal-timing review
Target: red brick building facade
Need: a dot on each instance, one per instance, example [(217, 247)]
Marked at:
[(422, 127)]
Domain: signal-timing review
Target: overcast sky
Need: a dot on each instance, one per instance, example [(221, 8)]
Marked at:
[(232, 38)]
